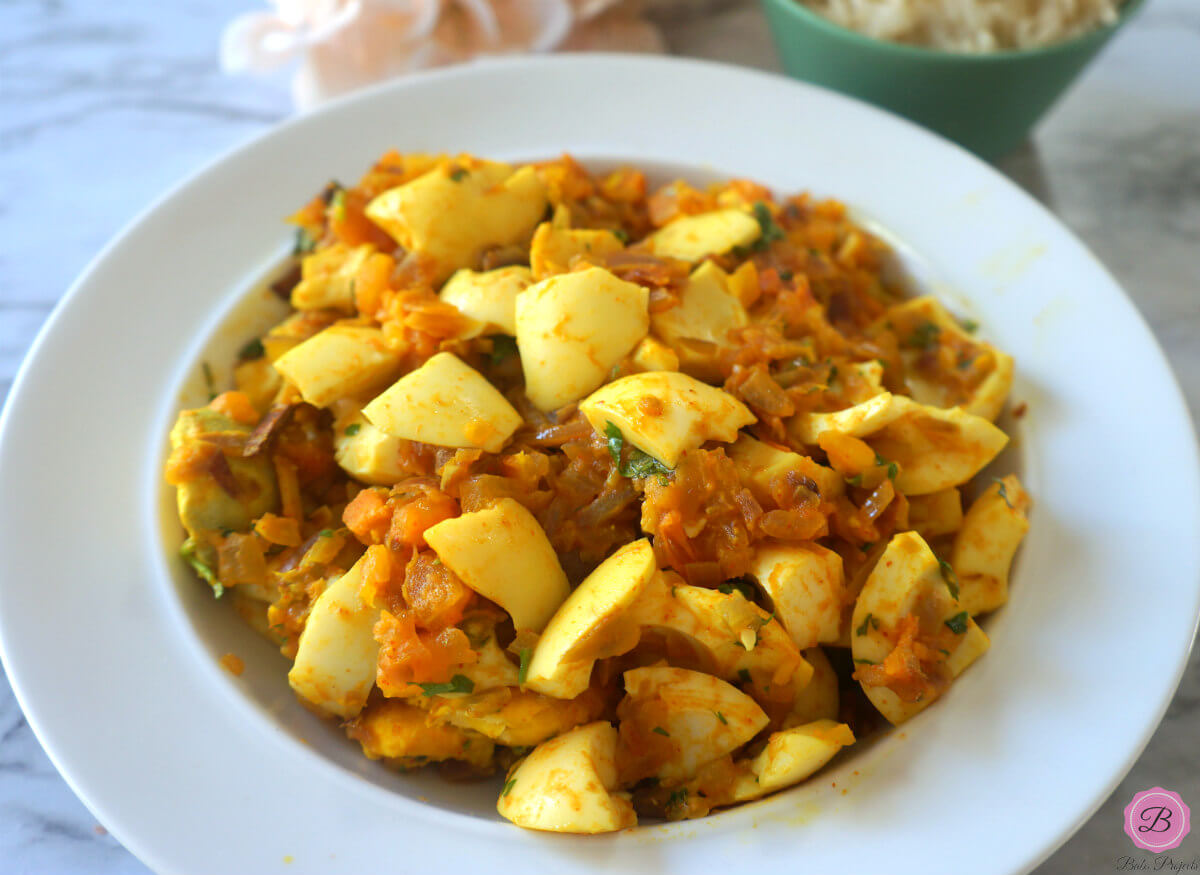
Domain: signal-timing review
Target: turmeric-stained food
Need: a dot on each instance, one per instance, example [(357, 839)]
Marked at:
[(643, 502)]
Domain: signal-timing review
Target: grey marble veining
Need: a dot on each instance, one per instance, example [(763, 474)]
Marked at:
[(104, 105)]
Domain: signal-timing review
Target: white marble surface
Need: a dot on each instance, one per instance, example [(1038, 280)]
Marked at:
[(104, 105)]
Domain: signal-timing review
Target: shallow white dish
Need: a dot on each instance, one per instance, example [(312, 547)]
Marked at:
[(111, 647)]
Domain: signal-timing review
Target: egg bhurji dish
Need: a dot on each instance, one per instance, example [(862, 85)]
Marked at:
[(650, 501)]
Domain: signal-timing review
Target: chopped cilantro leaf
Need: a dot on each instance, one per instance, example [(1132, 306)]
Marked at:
[(621, 234), (865, 662), (970, 326), (677, 798), (729, 587), (187, 552), (856, 480), (352, 429), (304, 242), (958, 623), (1002, 491), (523, 671), (721, 717), (338, 205), (924, 336), (770, 231), (252, 350), (867, 547), (950, 577), (639, 465), (508, 785), (868, 621), (209, 382), (744, 675), (458, 174), (457, 684), (662, 731), (503, 346), (326, 533)]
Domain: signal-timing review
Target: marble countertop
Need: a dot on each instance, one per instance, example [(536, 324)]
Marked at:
[(105, 105)]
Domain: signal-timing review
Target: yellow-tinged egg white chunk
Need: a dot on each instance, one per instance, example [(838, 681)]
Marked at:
[(819, 698), (588, 624), (568, 785), (446, 403), (572, 328), (698, 718), (653, 355), (909, 591), (935, 513), (707, 310), (403, 735), (808, 588), (519, 718), (488, 299), (663, 413), (451, 214), (503, 554), (864, 418), (759, 465), (554, 249), (367, 453), (341, 361), (937, 449), (335, 662), (922, 323), (692, 238), (736, 636), (791, 756), (991, 532), (327, 277)]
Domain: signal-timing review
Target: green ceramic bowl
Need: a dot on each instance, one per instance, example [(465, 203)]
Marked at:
[(986, 102)]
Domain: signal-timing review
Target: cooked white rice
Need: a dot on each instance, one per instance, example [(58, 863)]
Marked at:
[(970, 25)]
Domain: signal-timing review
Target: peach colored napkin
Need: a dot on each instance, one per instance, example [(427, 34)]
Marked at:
[(341, 45)]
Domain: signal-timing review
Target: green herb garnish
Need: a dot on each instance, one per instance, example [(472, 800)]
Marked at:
[(326, 533), (786, 275), (662, 731), (338, 205), (677, 798), (621, 234), (187, 552), (744, 675), (924, 336), (865, 662), (770, 230), (892, 468), (458, 174), (721, 717), (508, 785), (1002, 491), (868, 620), (304, 242), (867, 547), (970, 326), (252, 350), (352, 429), (209, 383), (503, 347), (958, 623), (639, 465), (523, 671), (950, 577), (729, 587), (460, 683)]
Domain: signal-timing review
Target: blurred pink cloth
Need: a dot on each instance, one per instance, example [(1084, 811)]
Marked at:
[(344, 44)]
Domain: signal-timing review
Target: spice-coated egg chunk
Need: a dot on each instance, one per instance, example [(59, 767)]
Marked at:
[(341, 361), (984, 547), (692, 238), (567, 785), (663, 413), (572, 328), (807, 586), (488, 298), (707, 310), (503, 554), (452, 213), (446, 403), (791, 756), (587, 625), (555, 250), (335, 662)]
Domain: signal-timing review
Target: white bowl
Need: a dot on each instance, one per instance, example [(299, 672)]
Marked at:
[(111, 646)]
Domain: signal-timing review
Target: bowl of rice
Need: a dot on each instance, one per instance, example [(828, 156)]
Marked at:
[(980, 72)]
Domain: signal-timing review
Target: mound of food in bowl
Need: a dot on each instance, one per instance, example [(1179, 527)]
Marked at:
[(971, 25), (650, 501)]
